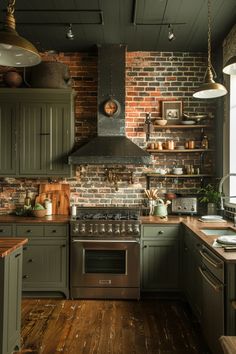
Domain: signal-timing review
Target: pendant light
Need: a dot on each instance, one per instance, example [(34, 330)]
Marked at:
[(15, 50), (230, 66), (210, 89)]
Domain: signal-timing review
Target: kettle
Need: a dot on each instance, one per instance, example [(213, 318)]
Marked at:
[(160, 210)]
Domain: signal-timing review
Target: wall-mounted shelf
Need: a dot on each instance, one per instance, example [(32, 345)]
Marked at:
[(158, 175), (150, 176), (177, 150), (181, 126)]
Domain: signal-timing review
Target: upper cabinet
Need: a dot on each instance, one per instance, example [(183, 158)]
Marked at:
[(37, 132)]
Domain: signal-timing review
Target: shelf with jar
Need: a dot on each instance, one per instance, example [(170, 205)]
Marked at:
[(158, 151), (181, 126)]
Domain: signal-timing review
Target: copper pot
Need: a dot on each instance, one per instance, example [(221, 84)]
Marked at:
[(12, 79)]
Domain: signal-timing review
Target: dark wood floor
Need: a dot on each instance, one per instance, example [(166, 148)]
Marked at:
[(109, 327)]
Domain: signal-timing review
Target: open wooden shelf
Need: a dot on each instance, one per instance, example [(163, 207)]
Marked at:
[(181, 126), (158, 175), (155, 151)]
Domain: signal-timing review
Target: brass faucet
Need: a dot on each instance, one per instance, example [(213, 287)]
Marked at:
[(222, 197)]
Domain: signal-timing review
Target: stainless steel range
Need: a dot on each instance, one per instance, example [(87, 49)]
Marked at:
[(105, 253)]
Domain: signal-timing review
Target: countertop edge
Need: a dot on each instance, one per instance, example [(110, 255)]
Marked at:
[(9, 245)]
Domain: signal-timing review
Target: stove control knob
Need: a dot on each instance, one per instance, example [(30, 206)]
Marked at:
[(122, 230), (102, 229), (129, 229), (136, 230), (95, 230), (75, 228), (90, 229), (82, 229), (109, 228), (117, 229)]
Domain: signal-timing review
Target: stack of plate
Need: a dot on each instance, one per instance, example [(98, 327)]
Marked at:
[(212, 218), (188, 122), (227, 240)]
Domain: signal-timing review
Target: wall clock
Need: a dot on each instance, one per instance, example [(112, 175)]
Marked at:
[(111, 107)]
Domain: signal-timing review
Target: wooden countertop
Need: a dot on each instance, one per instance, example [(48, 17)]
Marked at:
[(195, 225), (8, 245), (31, 219)]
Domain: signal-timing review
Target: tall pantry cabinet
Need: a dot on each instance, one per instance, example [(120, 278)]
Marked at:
[(36, 132)]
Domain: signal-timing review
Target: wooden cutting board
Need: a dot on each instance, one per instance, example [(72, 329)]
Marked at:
[(59, 195)]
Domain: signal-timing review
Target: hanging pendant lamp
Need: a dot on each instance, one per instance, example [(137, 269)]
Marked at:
[(210, 89), (230, 66), (15, 50)]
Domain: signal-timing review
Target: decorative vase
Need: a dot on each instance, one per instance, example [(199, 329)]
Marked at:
[(211, 209)]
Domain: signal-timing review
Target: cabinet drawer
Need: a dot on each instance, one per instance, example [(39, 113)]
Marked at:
[(56, 230), (160, 231), (213, 263), (29, 230), (6, 230)]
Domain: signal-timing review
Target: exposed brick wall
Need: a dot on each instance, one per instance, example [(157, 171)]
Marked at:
[(150, 78)]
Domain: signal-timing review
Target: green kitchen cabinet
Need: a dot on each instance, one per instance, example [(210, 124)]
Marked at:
[(45, 259), (7, 139), (10, 301), (192, 280), (160, 257), (43, 127)]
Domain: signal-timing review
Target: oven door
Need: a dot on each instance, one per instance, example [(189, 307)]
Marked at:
[(105, 263)]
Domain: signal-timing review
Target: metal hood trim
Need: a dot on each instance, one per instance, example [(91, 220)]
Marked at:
[(110, 150)]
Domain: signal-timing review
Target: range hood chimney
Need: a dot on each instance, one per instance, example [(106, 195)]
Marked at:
[(111, 146)]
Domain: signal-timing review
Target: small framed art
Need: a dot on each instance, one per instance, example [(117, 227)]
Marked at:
[(172, 111)]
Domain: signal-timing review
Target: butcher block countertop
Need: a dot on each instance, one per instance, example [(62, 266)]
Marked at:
[(8, 245), (31, 219), (193, 223)]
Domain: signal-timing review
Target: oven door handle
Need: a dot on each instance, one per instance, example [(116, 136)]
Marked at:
[(107, 241)]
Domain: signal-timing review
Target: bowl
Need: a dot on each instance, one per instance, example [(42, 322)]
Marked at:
[(161, 121), (39, 213)]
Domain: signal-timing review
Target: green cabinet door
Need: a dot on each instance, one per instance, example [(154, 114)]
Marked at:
[(192, 280), (7, 139), (37, 132), (160, 258), (10, 301), (160, 264), (44, 265), (33, 139)]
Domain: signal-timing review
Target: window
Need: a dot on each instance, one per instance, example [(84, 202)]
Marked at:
[(232, 138)]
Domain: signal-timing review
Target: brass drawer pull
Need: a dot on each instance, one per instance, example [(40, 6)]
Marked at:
[(210, 261), (17, 255), (216, 287), (54, 231), (161, 232), (25, 276), (28, 231)]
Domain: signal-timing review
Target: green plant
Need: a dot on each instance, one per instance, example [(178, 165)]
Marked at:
[(209, 194)]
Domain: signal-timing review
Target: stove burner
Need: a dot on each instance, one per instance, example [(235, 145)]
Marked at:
[(106, 214)]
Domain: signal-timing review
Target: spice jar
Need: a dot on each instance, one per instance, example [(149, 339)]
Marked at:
[(205, 142), (170, 145), (191, 144)]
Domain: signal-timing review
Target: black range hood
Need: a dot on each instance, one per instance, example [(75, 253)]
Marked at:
[(111, 146)]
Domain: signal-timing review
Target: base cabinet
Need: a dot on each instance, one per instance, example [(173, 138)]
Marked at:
[(160, 258), (45, 259), (204, 288), (10, 301), (192, 280)]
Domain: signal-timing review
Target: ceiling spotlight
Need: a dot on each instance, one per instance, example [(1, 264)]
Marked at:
[(69, 34), (171, 35)]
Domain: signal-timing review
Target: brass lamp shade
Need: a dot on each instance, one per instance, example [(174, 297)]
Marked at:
[(230, 66), (210, 89), (14, 49)]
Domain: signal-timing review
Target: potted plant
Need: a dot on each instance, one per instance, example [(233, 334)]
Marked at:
[(211, 196)]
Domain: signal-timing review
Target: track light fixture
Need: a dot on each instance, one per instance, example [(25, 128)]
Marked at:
[(209, 89), (69, 34), (171, 35), (14, 49)]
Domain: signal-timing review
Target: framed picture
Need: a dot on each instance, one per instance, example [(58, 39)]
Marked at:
[(172, 111)]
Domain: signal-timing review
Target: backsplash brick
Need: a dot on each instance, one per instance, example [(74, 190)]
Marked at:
[(151, 77)]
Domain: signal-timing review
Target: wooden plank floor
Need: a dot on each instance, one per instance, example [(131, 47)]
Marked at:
[(51, 326)]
